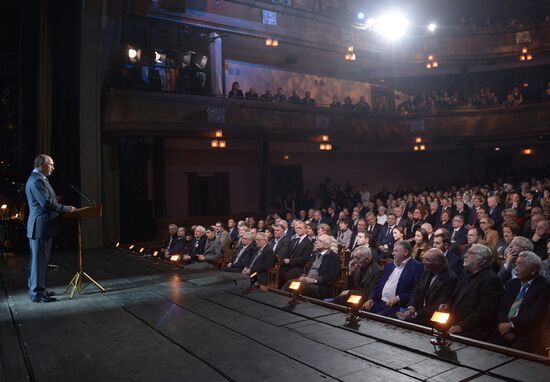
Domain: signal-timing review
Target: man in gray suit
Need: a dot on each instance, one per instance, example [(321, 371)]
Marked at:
[(41, 226)]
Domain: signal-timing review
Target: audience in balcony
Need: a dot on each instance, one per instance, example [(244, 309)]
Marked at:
[(362, 105), (336, 104), (235, 91), (251, 95), (307, 100), (294, 98), (267, 96), (348, 105), (280, 96)]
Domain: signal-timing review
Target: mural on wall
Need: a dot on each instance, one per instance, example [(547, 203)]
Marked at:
[(322, 89)]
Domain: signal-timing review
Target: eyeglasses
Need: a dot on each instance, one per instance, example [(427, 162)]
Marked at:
[(482, 222)]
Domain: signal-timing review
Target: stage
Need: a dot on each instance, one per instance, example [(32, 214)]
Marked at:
[(159, 322)]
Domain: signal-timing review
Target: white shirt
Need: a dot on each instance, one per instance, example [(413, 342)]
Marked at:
[(382, 219), (391, 285)]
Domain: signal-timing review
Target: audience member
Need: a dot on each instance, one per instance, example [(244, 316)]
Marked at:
[(235, 92), (262, 261), (300, 250)]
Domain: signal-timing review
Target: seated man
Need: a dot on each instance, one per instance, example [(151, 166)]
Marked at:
[(212, 248), (198, 244), (177, 246), (243, 254), (523, 306), (280, 242), (322, 270), (397, 283), (172, 234), (435, 288), (262, 261), (452, 254), (299, 253), (517, 245), (476, 295), (363, 274)]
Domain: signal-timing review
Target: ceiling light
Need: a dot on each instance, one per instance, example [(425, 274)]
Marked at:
[(214, 143), (218, 133), (361, 16), (432, 27), (435, 64), (524, 50), (324, 138), (268, 42), (392, 25)]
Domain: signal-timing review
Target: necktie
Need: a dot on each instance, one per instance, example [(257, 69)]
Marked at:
[(239, 255), (256, 257), (276, 241), (514, 309)]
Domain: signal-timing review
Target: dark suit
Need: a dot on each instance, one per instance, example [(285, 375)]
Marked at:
[(361, 281), (374, 230), (407, 281), (242, 258), (426, 298), (299, 254), (495, 213), (529, 322), (234, 234), (177, 246), (459, 237), (262, 261), (198, 247), (386, 236), (454, 259), (475, 302), (41, 228), (281, 251), (328, 271)]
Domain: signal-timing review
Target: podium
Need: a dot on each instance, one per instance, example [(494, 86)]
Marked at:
[(77, 281)]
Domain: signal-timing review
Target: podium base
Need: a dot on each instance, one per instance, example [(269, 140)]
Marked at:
[(77, 283)]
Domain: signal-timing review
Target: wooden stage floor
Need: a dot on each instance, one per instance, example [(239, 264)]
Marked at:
[(157, 322)]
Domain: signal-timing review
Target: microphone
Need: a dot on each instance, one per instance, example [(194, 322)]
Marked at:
[(90, 201)]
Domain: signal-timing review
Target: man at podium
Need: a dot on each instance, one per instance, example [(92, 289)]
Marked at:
[(41, 226)]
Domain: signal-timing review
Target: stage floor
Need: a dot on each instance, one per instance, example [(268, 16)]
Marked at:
[(157, 322)]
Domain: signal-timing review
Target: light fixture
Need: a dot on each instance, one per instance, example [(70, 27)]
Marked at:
[(324, 138), (117, 245), (428, 65), (294, 285), (160, 57), (497, 148), (435, 64), (418, 140), (214, 143), (439, 322), (527, 151), (524, 50), (4, 206), (222, 144), (175, 258), (432, 27), (350, 48), (422, 147), (131, 247), (155, 254), (430, 57), (391, 25), (286, 157), (361, 16), (218, 133), (268, 42), (416, 148), (322, 146), (370, 22), (529, 57), (141, 249), (353, 319), (275, 43), (254, 280), (328, 147), (526, 84), (132, 53)]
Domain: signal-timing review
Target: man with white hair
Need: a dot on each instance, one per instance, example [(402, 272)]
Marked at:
[(476, 296), (172, 234), (517, 245), (523, 307), (243, 254)]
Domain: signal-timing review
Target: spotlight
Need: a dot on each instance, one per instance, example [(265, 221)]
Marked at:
[(214, 143), (155, 254), (275, 43), (324, 138), (439, 329), (418, 140), (353, 319), (175, 258), (131, 247), (524, 50), (4, 206), (295, 290), (527, 151), (218, 133), (435, 64), (268, 42), (361, 16), (392, 25), (222, 144), (254, 280), (432, 27)]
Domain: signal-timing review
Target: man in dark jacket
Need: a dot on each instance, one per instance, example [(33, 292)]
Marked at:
[(262, 261), (523, 306), (435, 288), (300, 250), (320, 272), (243, 254)]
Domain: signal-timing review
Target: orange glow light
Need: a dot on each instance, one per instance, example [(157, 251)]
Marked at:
[(418, 140), (324, 138), (440, 317), (422, 147), (527, 151), (294, 285), (354, 299), (524, 50), (218, 133), (214, 143), (223, 145)]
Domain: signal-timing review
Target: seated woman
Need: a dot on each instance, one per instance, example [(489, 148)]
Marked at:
[(235, 92), (421, 244)]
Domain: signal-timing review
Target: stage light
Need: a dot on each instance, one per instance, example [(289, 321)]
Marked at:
[(132, 53), (214, 143), (416, 148), (418, 140), (268, 42), (432, 27), (286, 157), (218, 133), (524, 50), (4, 206), (361, 16), (131, 247), (155, 254), (175, 258), (324, 138), (435, 64), (322, 147), (141, 249), (439, 322), (222, 144), (275, 43), (422, 147), (527, 151), (497, 148), (391, 25)]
